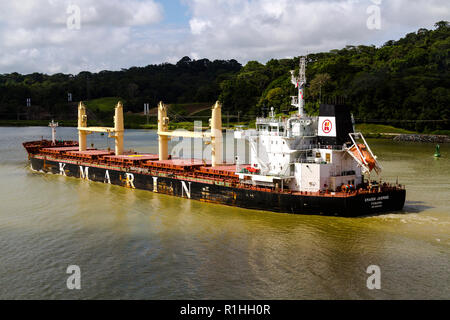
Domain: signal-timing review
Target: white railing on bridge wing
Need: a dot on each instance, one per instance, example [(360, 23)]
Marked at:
[(267, 121)]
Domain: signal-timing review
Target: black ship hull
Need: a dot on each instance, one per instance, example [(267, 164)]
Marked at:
[(217, 192)]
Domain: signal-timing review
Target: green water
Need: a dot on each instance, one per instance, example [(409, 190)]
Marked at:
[(139, 245)]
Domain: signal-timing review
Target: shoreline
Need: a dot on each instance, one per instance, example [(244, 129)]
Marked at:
[(399, 137), (73, 124), (409, 137), (433, 138)]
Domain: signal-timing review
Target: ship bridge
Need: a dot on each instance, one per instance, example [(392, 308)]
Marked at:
[(306, 153)]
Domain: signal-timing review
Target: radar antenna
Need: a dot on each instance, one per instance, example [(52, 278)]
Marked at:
[(299, 83)]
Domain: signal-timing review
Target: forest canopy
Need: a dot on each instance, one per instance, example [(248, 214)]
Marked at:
[(407, 79)]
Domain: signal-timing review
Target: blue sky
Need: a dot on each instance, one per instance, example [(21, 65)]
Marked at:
[(43, 36), (176, 13)]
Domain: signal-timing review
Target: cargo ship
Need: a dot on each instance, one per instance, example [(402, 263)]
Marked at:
[(298, 164)]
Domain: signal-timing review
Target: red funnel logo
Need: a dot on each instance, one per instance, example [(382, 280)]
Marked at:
[(326, 126)]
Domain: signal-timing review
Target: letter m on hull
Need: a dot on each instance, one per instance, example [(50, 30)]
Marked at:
[(84, 172)]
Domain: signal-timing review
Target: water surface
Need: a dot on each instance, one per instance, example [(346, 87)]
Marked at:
[(135, 244)]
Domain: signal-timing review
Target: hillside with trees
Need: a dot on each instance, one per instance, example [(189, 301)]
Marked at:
[(405, 83), (185, 81), (401, 82)]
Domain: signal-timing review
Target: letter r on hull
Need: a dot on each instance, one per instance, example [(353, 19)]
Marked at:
[(130, 180)]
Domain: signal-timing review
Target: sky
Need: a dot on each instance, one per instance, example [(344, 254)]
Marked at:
[(70, 36)]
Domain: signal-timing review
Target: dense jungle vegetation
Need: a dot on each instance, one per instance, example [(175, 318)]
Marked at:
[(404, 82)]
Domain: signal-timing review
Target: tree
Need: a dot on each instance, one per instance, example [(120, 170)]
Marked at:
[(315, 87), (274, 98), (442, 25)]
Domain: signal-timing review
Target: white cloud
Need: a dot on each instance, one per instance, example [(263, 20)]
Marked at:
[(198, 26), (262, 29), (118, 34), (34, 35)]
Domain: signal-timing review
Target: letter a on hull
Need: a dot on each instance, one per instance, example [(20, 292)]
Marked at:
[(107, 178)]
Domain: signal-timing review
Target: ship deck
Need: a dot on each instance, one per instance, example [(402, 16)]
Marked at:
[(191, 169), (133, 157)]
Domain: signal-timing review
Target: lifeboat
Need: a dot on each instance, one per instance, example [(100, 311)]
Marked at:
[(252, 170), (363, 155)]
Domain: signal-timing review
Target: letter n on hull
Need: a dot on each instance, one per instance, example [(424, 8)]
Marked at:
[(185, 189)]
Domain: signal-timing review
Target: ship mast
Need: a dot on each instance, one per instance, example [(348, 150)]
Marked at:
[(299, 82)]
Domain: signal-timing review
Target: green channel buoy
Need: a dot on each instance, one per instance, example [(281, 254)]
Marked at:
[(437, 154)]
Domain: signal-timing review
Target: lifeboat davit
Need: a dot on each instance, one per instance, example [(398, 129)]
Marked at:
[(363, 155)]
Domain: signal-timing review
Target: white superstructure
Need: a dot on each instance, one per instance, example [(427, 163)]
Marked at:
[(286, 153)]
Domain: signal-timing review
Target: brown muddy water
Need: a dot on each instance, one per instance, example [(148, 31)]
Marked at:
[(133, 244)]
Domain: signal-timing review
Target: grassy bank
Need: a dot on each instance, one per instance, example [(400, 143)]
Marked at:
[(136, 121), (35, 123), (370, 130), (104, 105)]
